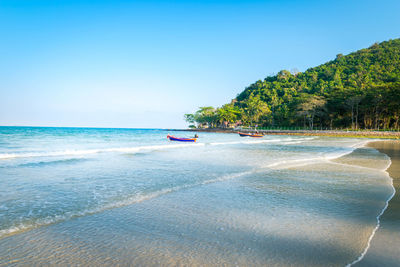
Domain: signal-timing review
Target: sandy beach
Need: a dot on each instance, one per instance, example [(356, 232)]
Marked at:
[(384, 249)]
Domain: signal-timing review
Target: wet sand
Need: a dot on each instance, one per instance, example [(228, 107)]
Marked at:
[(385, 246)]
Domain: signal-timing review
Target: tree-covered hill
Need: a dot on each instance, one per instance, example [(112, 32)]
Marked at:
[(359, 90)]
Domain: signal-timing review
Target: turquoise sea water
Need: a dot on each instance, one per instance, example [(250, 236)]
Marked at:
[(131, 197)]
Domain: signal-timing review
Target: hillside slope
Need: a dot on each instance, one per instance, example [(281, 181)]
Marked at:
[(359, 90)]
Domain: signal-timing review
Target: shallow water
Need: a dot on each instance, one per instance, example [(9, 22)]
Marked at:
[(129, 196)]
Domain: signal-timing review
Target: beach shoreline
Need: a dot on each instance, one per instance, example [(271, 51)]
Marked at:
[(383, 248), (327, 133)]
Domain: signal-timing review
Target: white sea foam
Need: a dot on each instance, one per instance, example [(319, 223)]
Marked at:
[(321, 157), (354, 166), (263, 141), (95, 151), (364, 167), (245, 142), (292, 142), (361, 144), (338, 154), (284, 164)]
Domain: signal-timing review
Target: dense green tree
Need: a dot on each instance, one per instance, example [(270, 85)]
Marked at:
[(190, 118), (206, 116), (227, 114), (254, 109)]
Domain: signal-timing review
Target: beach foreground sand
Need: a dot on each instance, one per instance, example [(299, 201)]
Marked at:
[(385, 246)]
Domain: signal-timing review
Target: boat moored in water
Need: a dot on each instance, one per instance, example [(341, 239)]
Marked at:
[(181, 139), (244, 134), (250, 134)]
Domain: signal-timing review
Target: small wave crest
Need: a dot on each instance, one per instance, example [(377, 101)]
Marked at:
[(320, 157), (285, 141), (53, 162), (243, 142), (293, 163), (94, 151)]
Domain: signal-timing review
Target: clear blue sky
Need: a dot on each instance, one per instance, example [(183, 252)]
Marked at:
[(146, 63)]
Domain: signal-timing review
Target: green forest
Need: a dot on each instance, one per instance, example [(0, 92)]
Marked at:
[(356, 91)]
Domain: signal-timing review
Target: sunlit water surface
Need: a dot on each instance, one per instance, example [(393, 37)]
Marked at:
[(73, 196)]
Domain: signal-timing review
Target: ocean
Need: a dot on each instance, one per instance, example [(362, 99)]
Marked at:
[(107, 197)]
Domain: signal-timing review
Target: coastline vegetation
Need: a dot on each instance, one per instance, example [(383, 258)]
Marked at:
[(359, 91)]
